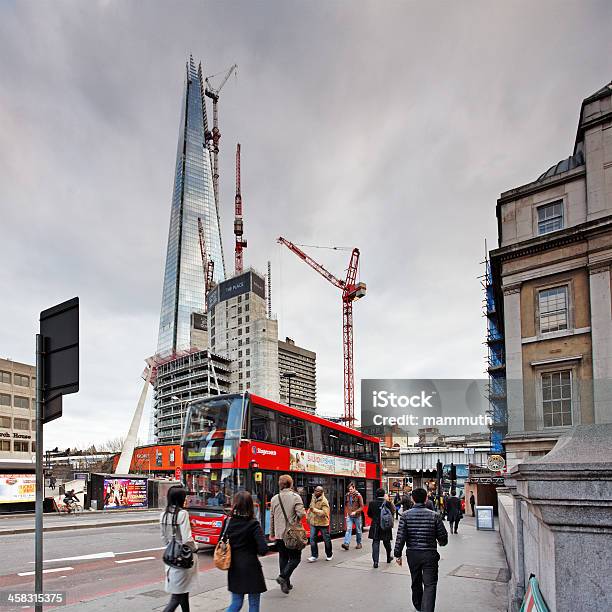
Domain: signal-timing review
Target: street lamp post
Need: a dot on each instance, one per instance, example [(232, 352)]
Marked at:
[(289, 375)]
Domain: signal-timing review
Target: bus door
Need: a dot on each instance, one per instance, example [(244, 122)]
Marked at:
[(336, 503), (264, 487)]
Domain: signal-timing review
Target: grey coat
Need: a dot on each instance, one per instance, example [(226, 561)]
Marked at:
[(178, 579)]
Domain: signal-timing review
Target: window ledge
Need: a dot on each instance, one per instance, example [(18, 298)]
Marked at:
[(558, 334), (545, 362)]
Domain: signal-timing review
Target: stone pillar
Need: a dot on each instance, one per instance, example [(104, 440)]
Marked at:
[(563, 518), (601, 334)]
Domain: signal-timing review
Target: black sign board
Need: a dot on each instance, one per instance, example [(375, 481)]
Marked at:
[(59, 328)]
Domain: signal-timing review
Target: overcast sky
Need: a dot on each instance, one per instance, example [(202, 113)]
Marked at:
[(391, 126)]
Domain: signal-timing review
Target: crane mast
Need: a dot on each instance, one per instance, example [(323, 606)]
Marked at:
[(351, 291), (213, 137), (238, 222), (208, 265)]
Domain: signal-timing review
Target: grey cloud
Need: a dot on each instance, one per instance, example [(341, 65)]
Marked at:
[(390, 126)]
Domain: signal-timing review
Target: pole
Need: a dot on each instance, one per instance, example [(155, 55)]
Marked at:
[(40, 479), (289, 398)]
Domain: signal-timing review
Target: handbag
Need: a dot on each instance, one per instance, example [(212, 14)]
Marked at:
[(294, 536), (222, 556), (176, 553)]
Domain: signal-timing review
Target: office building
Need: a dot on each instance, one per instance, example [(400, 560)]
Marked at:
[(193, 198), (241, 331), (188, 377), (293, 359), (17, 411), (550, 281)]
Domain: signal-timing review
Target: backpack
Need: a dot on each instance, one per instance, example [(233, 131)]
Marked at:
[(386, 517)]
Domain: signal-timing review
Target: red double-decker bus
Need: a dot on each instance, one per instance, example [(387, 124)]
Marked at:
[(238, 442)]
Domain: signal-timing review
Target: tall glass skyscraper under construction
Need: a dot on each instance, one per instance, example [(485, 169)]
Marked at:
[(193, 198)]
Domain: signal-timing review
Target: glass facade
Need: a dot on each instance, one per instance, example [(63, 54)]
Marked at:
[(193, 197)]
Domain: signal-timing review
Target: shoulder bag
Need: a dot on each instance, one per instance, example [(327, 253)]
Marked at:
[(177, 554), (294, 536), (223, 551)]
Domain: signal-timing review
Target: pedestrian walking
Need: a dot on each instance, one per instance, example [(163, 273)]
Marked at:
[(407, 502), (421, 530), (174, 521), (353, 511), (381, 511), (453, 512), (397, 501), (52, 483), (318, 518), (286, 508), (472, 502), (247, 541)]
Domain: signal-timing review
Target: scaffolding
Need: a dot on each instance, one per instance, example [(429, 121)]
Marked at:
[(496, 364)]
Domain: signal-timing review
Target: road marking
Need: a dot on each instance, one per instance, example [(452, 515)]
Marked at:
[(129, 552), (102, 555), (134, 560), (48, 571)]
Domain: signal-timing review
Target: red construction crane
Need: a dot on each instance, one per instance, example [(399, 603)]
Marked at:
[(238, 225), (351, 291), (215, 135), (208, 265)]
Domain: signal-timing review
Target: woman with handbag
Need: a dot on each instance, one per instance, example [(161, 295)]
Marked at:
[(246, 541), (180, 555)]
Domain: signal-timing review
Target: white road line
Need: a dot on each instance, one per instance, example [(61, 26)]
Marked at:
[(48, 571), (129, 552), (102, 555), (134, 560)]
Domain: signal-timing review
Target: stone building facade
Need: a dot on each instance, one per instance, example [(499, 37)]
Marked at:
[(551, 274)]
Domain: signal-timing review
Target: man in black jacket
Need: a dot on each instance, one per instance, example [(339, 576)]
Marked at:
[(421, 530)]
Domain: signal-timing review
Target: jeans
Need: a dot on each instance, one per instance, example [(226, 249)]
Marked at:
[(177, 600), (350, 520), (314, 546), (288, 560), (423, 566), (376, 549), (238, 599), (454, 524)]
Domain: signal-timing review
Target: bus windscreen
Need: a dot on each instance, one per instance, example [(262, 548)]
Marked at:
[(213, 430)]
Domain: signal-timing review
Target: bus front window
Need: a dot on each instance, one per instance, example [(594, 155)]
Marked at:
[(213, 431), (214, 488)]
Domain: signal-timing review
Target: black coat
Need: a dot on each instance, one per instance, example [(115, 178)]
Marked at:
[(246, 540), (420, 529), (453, 509), (376, 532)]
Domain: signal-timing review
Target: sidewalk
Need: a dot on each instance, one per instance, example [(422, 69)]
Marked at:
[(472, 576), (24, 523)]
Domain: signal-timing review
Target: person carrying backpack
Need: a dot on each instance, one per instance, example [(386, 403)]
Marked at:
[(381, 510)]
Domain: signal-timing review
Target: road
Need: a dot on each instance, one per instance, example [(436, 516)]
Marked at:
[(88, 563)]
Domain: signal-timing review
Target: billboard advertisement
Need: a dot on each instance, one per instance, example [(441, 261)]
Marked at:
[(125, 493), (306, 461), (17, 488)]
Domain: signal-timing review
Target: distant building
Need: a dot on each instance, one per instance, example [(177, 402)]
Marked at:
[(551, 283), (430, 436), (301, 361), (17, 410), (241, 331), (180, 380)]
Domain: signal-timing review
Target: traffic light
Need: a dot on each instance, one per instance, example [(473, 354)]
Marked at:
[(453, 472)]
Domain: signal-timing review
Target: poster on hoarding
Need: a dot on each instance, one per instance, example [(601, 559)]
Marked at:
[(125, 493), (17, 488), (305, 461)]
